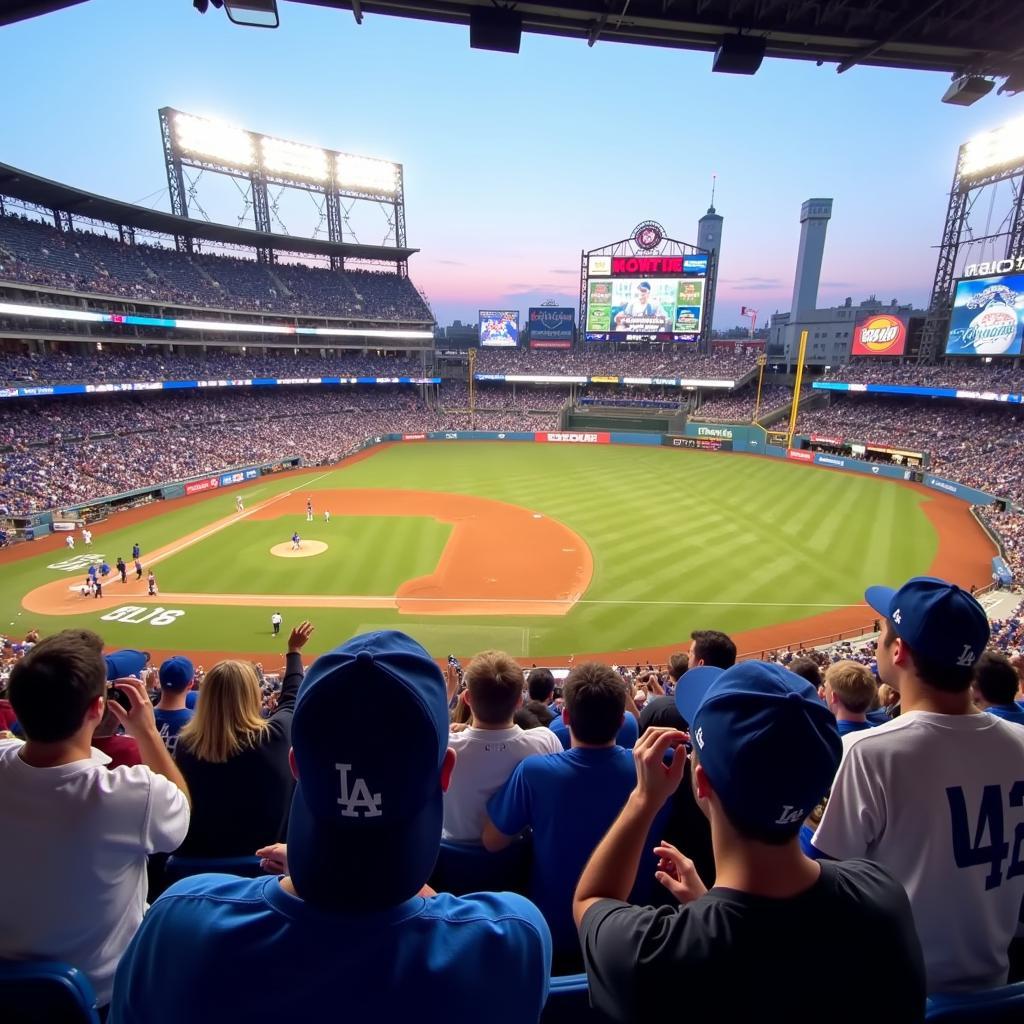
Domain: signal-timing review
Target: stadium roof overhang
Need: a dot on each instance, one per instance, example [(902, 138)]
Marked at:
[(981, 37), (31, 188)]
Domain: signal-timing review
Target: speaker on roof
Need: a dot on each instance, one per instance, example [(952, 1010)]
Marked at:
[(739, 55), (495, 28)]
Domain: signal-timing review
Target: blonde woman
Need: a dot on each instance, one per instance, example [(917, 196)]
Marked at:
[(236, 762)]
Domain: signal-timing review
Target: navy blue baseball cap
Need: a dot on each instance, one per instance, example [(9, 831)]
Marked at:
[(176, 673), (936, 618), (366, 815), (128, 662), (768, 743)]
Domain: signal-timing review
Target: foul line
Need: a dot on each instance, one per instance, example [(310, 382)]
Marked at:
[(229, 521)]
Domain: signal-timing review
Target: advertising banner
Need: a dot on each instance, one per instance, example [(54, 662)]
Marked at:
[(552, 326), (799, 455), (573, 437), (414, 437), (703, 444), (196, 486), (987, 317), (625, 305), (880, 334), (975, 497), (821, 439)]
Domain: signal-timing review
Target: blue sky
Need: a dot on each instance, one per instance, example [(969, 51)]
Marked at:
[(513, 163)]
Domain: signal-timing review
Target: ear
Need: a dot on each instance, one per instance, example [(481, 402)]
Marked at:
[(565, 716), (900, 654), (446, 769), (292, 765), (97, 706), (701, 782), (464, 697)]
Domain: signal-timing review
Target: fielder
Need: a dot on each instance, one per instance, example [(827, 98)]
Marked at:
[(309, 509), (296, 542), (152, 584), (275, 621), (239, 507), (327, 516), (87, 537), (70, 541)]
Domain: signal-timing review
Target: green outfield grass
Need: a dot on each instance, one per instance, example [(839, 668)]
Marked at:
[(680, 540)]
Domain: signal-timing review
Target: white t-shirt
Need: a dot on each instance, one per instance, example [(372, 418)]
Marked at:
[(939, 801), (275, 619), (73, 858), (484, 760)]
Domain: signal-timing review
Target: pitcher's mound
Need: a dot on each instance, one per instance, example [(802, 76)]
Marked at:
[(308, 549)]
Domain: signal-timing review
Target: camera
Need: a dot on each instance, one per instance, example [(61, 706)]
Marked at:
[(119, 697)]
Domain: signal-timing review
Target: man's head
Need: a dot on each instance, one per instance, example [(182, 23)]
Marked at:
[(643, 290), (995, 680), (765, 748), (933, 631), (59, 686), (494, 688), (849, 687), (710, 647), (176, 675), (595, 702), (541, 684), (806, 669), (365, 823), (677, 665)]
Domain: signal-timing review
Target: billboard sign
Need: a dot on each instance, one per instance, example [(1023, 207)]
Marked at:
[(498, 328), (987, 317), (552, 326), (638, 305), (880, 334)]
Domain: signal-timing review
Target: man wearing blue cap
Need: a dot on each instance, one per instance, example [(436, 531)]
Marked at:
[(352, 926), (765, 748), (172, 711), (936, 794)]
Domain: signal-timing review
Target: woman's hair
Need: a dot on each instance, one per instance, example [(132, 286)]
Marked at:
[(462, 714), (227, 719)]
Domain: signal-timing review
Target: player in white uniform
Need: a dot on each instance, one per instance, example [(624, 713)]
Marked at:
[(935, 795), (239, 507), (327, 516), (87, 537), (309, 509), (69, 540)]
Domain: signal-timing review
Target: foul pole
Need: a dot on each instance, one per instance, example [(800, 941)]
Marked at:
[(795, 409)]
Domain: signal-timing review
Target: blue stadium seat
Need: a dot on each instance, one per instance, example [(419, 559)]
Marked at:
[(568, 1001), (991, 1005), (182, 867), (463, 868), (45, 990)]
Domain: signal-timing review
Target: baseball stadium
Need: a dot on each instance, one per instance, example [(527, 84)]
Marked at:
[(567, 664)]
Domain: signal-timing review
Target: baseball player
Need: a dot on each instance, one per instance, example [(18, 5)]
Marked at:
[(136, 551), (87, 537), (98, 587), (239, 507), (86, 589), (275, 621), (69, 540), (151, 580), (104, 569), (93, 571), (296, 542), (138, 565), (327, 516), (309, 509), (122, 569)]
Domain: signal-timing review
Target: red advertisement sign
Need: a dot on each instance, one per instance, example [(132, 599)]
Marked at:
[(647, 265), (574, 437), (550, 344), (414, 437), (799, 455), (820, 439), (880, 334), (202, 485)]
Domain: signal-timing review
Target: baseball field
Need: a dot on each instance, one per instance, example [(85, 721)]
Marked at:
[(543, 550)]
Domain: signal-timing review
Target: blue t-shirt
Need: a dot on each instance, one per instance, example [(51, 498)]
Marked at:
[(879, 717), (570, 800), (244, 949), (1008, 713), (190, 699), (629, 731), (845, 727), (170, 723)]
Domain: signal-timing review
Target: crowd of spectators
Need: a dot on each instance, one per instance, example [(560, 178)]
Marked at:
[(118, 363), (589, 833), (973, 443), (739, 407), (32, 252), (1004, 375)]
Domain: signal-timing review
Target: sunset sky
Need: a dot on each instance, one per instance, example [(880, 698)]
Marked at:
[(513, 164)]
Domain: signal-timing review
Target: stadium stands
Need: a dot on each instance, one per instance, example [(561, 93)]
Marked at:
[(35, 253)]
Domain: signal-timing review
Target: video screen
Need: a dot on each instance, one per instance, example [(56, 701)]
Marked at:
[(988, 317), (644, 306), (499, 328)]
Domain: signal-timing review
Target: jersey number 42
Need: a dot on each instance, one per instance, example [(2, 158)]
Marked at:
[(969, 848)]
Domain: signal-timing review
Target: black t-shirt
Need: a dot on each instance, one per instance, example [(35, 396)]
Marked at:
[(732, 956), (661, 711)]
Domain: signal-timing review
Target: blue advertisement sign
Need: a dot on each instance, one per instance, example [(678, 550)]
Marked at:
[(695, 264), (552, 323), (988, 317)]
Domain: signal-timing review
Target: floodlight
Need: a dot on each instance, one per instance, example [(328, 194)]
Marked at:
[(214, 139), (293, 159), (997, 148), (363, 173)]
